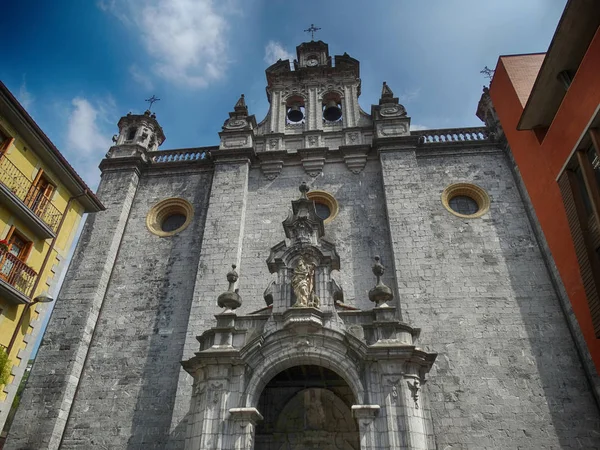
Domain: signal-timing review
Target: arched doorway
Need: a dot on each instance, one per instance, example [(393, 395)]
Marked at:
[(307, 407)]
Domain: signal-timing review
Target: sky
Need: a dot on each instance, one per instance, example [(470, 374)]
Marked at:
[(78, 66)]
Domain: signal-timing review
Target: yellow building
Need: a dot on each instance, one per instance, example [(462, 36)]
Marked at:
[(42, 201)]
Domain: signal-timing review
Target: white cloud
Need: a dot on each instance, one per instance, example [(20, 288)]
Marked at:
[(26, 98), (274, 51), (417, 127), (83, 133), (140, 77), (186, 39), (88, 129)]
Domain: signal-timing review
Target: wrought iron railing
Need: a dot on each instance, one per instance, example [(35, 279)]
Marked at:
[(16, 273), (179, 155), (452, 135), (30, 195)]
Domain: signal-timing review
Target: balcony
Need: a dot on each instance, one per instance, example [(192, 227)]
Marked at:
[(16, 278), (27, 202)]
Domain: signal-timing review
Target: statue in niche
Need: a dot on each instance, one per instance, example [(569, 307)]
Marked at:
[(303, 284)]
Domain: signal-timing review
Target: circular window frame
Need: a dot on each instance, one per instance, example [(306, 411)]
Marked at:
[(160, 211), (468, 190), (326, 199)]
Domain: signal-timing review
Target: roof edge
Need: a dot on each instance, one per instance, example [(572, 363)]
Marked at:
[(94, 202)]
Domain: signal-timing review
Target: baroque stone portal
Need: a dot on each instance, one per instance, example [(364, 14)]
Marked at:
[(308, 372)]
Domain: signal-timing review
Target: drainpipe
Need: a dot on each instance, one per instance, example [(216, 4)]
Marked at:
[(41, 273)]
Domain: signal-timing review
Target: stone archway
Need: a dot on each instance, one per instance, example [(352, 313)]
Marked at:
[(307, 407)]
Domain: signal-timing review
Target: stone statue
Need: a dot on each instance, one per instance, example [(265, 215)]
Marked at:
[(303, 284)]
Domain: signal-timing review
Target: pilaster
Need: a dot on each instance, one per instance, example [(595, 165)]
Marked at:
[(401, 183), (221, 246), (52, 385)]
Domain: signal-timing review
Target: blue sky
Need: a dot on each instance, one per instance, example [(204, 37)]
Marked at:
[(77, 66)]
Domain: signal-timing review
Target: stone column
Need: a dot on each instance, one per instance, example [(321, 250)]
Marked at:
[(244, 423), (209, 409), (221, 247), (52, 386), (365, 416)]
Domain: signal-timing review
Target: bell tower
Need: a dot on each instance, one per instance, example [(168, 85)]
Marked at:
[(141, 130), (319, 95)]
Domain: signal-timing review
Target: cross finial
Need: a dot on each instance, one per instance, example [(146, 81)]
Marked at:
[(487, 72), (152, 100), (312, 30)]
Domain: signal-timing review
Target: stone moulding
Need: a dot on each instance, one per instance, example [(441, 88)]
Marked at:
[(355, 157), (313, 160), (271, 163)]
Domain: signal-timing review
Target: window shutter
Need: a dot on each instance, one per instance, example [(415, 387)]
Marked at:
[(582, 239)]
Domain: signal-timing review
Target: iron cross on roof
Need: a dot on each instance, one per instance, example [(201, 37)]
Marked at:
[(312, 30), (152, 100)]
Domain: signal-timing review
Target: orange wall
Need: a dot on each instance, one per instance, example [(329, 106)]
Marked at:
[(540, 165)]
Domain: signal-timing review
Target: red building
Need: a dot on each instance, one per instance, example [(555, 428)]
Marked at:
[(546, 107)]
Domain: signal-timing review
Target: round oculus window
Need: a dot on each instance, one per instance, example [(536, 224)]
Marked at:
[(323, 210), (169, 217), (463, 205), (466, 200), (173, 222), (326, 206)]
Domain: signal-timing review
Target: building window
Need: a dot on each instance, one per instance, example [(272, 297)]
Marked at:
[(580, 189), (169, 217), (131, 134), (13, 269), (5, 141), (326, 205), (466, 200), (463, 205), (40, 194), (173, 222)]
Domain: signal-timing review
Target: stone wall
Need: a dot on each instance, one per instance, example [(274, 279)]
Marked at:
[(359, 231), (54, 379), (507, 373), (127, 392)]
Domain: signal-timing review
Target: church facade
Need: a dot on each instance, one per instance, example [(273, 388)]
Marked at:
[(323, 279)]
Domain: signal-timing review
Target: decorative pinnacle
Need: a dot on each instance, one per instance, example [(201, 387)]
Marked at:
[(378, 269), (380, 294), (303, 190), (232, 277), (230, 299), (241, 103)]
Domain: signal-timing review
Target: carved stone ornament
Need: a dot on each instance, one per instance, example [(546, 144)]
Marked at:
[(233, 124), (414, 387), (392, 111), (273, 143), (304, 266)]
